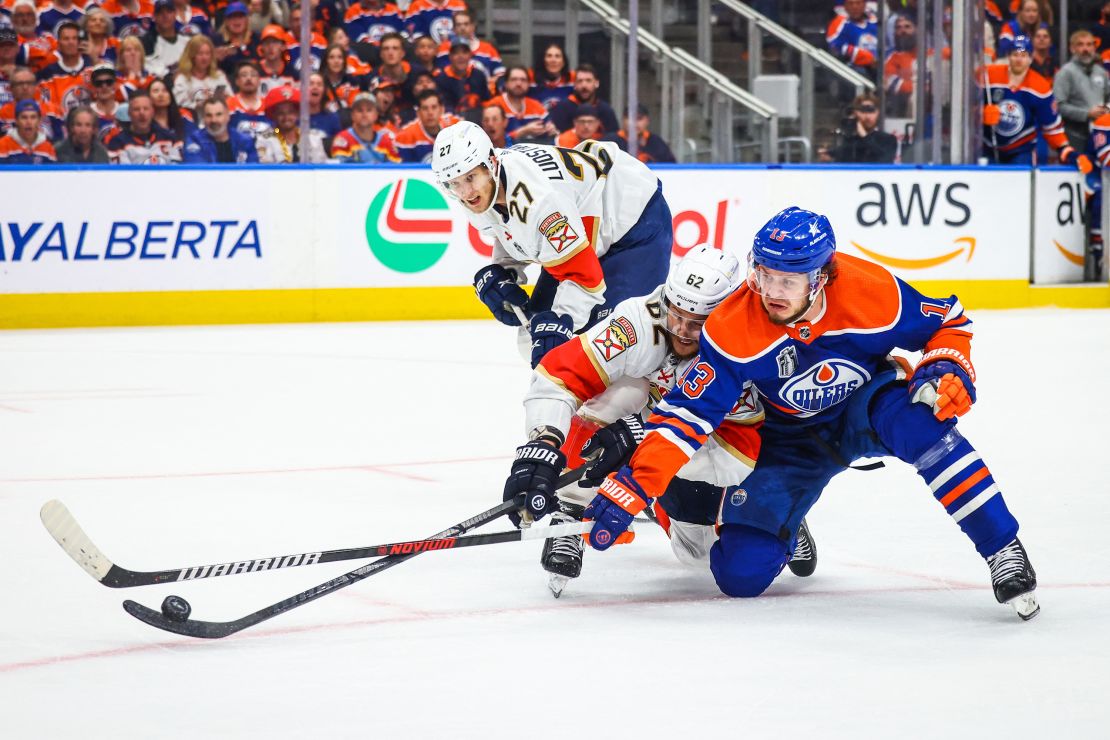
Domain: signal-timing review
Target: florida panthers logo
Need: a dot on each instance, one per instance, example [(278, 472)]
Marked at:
[(823, 386), (1012, 118)]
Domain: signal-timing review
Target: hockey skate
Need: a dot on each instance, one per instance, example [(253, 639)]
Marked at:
[(562, 556), (1014, 579), (804, 561)]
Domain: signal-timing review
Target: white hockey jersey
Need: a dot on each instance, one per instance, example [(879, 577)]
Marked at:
[(631, 343), (565, 208)]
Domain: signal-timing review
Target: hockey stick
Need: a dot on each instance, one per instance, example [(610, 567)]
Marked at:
[(215, 630), (65, 529)]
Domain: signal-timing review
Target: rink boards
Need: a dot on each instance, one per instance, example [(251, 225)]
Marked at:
[(195, 245)]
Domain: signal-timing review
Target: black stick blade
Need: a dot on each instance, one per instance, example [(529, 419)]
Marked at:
[(189, 628)]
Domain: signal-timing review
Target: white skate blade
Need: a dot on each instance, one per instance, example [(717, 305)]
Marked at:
[(557, 583), (1026, 605)]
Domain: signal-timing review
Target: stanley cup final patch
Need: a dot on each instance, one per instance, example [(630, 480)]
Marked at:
[(556, 229)]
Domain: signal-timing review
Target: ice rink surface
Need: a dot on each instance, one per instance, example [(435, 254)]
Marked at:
[(182, 446)]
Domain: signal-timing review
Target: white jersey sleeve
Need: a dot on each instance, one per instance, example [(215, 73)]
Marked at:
[(629, 343)]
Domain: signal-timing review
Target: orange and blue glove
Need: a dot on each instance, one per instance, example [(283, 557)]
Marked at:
[(619, 499), (944, 380)]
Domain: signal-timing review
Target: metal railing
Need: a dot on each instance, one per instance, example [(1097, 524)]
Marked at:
[(809, 55), (674, 64)]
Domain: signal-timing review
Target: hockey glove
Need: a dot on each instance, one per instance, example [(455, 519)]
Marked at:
[(549, 330), (992, 114), (1083, 164), (616, 504), (947, 385), (537, 467), (615, 443), (496, 286)]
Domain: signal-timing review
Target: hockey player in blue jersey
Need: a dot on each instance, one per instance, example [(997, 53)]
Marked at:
[(813, 331)]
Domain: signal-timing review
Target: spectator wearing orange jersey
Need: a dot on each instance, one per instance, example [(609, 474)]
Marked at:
[(528, 119), (365, 141), (131, 17), (484, 54), (414, 141), (587, 125), (198, 76), (23, 88), (35, 50), (26, 143), (162, 43), (131, 67), (81, 145), (248, 114), (63, 83), (552, 80), (273, 60), (100, 44)]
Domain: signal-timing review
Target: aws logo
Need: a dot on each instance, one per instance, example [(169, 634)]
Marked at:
[(408, 225), (967, 245), (823, 386), (1072, 257)]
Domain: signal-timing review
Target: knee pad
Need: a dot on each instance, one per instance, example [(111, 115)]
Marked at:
[(745, 560)]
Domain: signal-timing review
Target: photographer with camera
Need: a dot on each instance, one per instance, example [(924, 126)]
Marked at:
[(863, 143)]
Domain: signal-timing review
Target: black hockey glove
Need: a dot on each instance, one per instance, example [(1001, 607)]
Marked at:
[(615, 443), (549, 330), (534, 473), (496, 286)]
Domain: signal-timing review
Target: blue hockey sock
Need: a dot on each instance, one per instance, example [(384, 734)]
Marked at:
[(963, 485)]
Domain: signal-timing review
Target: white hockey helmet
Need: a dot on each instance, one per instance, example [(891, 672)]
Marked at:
[(702, 279), (460, 148)]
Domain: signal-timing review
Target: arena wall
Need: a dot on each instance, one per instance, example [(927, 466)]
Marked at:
[(197, 245)]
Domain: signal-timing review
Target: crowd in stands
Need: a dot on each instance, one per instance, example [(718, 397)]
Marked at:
[(212, 81), (1022, 75)]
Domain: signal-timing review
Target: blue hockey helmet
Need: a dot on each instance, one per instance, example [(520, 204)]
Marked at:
[(795, 240)]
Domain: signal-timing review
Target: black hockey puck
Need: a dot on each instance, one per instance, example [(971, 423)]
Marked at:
[(176, 609)]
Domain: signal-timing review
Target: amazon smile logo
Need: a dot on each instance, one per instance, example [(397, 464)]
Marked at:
[(407, 225), (966, 244)]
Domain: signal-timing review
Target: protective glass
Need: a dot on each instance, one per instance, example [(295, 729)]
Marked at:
[(782, 285), (682, 324)]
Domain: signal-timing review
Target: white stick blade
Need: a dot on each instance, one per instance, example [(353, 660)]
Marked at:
[(68, 533)]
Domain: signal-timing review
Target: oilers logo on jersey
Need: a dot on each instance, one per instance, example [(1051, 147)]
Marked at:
[(822, 386), (1012, 118)]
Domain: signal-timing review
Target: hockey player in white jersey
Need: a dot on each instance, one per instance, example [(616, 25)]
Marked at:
[(593, 217), (651, 340)]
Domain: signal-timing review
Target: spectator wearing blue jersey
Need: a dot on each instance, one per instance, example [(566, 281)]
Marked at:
[(216, 142), (1031, 15), (854, 36)]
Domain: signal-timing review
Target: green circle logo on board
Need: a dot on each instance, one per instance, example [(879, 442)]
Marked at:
[(402, 229)]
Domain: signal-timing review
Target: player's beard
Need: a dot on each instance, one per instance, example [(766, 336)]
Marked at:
[(679, 350), (789, 319)]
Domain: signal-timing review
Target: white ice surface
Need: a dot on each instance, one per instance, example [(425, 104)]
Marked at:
[(181, 446)]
